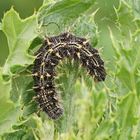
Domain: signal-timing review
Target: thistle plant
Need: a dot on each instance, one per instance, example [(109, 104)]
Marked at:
[(106, 110)]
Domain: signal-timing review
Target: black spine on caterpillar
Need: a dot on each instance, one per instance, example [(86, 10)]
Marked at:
[(52, 51)]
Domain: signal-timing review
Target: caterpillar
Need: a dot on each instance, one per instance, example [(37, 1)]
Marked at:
[(53, 50)]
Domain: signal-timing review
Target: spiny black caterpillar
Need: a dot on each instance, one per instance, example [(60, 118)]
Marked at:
[(53, 50)]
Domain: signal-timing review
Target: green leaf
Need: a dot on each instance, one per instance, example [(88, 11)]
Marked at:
[(104, 131), (135, 5), (22, 93), (20, 34), (8, 111), (127, 108), (85, 26), (5, 103), (49, 1), (64, 12), (124, 16)]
